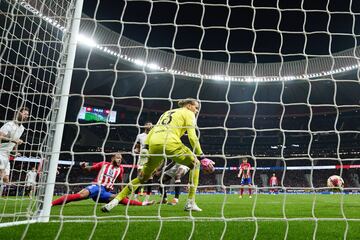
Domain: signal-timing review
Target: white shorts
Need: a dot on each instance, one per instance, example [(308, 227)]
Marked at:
[(4, 164), (172, 171)]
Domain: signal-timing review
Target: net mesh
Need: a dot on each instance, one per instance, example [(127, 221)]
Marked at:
[(278, 84), (31, 45)]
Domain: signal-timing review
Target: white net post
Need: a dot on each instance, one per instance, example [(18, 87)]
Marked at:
[(60, 108)]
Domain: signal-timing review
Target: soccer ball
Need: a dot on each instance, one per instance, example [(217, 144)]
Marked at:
[(207, 165), (335, 181)]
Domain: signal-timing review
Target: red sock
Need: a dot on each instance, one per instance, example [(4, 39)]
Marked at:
[(249, 191), (241, 191), (126, 201), (67, 198)]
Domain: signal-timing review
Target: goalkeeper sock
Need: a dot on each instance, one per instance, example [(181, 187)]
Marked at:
[(249, 191), (67, 198), (177, 188), (194, 181), (127, 201), (131, 187)]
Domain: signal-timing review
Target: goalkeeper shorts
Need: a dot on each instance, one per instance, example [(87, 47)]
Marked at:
[(177, 152)]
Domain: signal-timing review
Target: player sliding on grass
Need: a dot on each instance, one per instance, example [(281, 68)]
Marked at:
[(164, 142), (244, 173), (101, 188)]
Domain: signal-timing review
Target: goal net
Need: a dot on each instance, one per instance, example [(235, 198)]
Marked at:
[(277, 83)]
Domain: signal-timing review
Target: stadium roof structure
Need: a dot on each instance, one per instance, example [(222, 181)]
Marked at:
[(157, 59), (100, 37)]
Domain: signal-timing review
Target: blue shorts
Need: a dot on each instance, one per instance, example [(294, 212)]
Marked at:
[(245, 181), (95, 190)]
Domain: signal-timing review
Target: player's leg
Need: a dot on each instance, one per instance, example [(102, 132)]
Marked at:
[(242, 187), (27, 190), (4, 173), (85, 193), (147, 171), (127, 201), (136, 192), (183, 155), (32, 190), (105, 196), (162, 189), (168, 175), (249, 186), (148, 189), (145, 174), (181, 171)]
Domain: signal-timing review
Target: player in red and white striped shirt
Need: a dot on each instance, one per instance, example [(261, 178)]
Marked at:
[(273, 183), (101, 189), (244, 174)]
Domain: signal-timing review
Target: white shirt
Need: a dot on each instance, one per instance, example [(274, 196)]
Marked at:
[(13, 131), (31, 177), (140, 138)]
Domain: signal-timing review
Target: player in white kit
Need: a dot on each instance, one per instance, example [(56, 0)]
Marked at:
[(176, 172), (30, 182), (10, 134), (143, 158)]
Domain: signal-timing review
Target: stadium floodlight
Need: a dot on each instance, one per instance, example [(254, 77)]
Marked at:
[(218, 77), (249, 79), (153, 66), (139, 62), (86, 40)]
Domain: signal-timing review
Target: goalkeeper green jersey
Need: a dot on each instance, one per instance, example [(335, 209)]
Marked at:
[(171, 126)]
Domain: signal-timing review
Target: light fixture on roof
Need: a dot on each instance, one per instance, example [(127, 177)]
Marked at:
[(86, 40), (153, 66), (217, 77), (139, 62)]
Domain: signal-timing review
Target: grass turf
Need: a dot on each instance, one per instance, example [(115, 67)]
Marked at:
[(222, 216)]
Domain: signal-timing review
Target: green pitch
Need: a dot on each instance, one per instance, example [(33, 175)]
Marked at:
[(262, 216)]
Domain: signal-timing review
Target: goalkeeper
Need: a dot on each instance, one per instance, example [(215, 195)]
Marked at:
[(164, 142)]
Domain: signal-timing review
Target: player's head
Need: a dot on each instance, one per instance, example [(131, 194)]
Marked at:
[(273, 174), (22, 114), (116, 159), (244, 160), (148, 126), (33, 169), (190, 103)]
